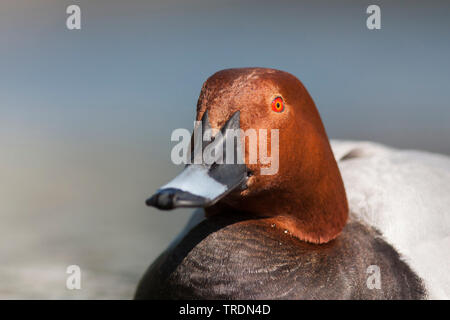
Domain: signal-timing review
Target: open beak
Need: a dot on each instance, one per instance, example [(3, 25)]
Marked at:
[(202, 185)]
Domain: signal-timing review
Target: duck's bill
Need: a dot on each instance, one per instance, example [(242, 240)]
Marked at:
[(202, 185), (199, 186)]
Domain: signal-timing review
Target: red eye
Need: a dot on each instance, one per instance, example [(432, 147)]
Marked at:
[(278, 104)]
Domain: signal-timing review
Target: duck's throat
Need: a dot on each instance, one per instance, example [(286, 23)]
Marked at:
[(317, 217), (306, 200), (315, 212), (315, 221)]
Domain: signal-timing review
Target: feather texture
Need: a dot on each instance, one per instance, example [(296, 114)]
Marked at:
[(405, 194)]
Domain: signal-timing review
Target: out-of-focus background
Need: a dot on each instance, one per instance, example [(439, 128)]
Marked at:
[(86, 115)]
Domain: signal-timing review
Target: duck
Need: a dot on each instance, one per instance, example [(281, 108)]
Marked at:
[(337, 220)]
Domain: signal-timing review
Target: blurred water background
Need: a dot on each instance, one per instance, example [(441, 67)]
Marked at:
[(86, 116)]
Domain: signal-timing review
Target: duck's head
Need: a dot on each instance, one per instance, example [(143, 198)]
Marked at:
[(303, 193)]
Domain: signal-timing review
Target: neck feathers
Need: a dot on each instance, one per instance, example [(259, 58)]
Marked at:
[(318, 210)]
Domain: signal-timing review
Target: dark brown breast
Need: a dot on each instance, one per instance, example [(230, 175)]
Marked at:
[(230, 259)]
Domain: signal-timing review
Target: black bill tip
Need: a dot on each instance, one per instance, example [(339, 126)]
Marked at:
[(171, 198)]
